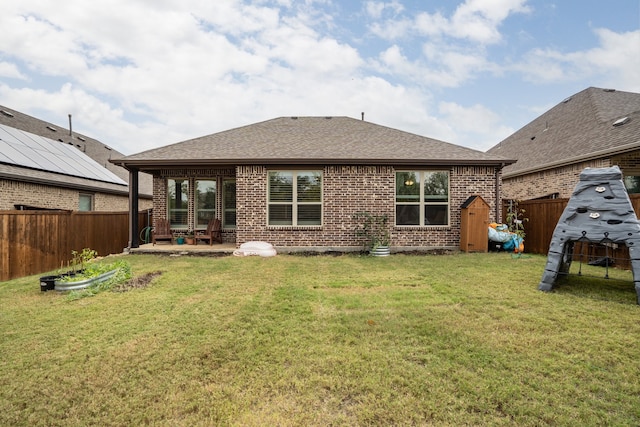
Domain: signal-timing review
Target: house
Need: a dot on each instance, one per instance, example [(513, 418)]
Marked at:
[(50, 184), (593, 128), (296, 182)]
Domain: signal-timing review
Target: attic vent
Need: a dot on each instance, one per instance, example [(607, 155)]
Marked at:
[(51, 128), (328, 117), (81, 139), (564, 101), (6, 113), (609, 90), (621, 121)]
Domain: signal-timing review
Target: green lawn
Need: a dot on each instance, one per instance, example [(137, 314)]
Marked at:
[(462, 339)]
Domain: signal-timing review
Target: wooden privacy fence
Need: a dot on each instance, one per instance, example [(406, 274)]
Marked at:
[(33, 242), (543, 217)]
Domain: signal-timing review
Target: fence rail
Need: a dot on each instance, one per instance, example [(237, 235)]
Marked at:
[(543, 216), (33, 242)]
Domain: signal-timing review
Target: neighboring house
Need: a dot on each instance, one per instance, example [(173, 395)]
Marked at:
[(45, 185), (593, 128), (296, 182)]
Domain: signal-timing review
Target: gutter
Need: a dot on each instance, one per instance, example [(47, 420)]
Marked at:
[(54, 183), (142, 164), (592, 156)]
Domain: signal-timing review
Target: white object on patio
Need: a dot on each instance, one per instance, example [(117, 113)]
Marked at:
[(263, 249)]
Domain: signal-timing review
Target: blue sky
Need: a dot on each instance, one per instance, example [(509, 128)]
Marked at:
[(138, 74)]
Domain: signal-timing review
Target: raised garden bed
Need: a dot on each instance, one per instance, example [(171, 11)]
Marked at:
[(67, 285)]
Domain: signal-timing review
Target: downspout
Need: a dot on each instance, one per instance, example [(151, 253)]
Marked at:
[(498, 198)]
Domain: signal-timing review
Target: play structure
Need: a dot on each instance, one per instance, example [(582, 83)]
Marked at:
[(599, 211)]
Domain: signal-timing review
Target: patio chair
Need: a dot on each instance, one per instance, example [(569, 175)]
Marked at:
[(162, 231), (213, 232)]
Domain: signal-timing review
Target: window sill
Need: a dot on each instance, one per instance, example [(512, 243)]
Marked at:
[(294, 227), (422, 227)]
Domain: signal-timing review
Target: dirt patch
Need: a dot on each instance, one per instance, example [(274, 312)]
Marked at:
[(139, 282)]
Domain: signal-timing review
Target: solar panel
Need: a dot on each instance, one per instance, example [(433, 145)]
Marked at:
[(32, 151)]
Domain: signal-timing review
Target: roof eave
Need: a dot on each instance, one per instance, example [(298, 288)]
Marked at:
[(584, 158), (154, 164), (124, 191)]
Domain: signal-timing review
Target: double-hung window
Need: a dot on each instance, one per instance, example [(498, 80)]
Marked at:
[(422, 198), (295, 198), (178, 202), (205, 201)]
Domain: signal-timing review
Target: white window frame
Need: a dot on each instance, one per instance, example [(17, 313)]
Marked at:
[(294, 203), (422, 203)]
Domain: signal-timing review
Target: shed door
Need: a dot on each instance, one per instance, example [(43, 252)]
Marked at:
[(474, 228)]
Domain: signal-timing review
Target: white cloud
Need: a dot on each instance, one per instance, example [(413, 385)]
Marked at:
[(615, 62), (480, 127), (476, 21), (618, 58), (454, 48), (43, 47), (11, 71), (91, 116), (439, 67), (428, 24), (375, 9)]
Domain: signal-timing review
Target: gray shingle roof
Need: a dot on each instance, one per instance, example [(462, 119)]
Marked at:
[(93, 148), (577, 129), (305, 140)]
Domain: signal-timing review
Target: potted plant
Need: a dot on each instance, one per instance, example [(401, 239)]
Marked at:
[(515, 222), (375, 232), (190, 238)]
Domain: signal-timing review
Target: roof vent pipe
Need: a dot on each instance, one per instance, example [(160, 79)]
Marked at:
[(362, 115), (70, 129)]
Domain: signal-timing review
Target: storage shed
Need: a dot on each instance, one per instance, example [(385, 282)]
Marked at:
[(474, 225)]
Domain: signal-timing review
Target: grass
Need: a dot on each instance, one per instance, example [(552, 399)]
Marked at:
[(462, 339)]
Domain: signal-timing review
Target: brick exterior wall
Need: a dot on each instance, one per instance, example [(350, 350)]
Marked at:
[(111, 202), (628, 161), (346, 190), (50, 197), (562, 180)]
